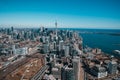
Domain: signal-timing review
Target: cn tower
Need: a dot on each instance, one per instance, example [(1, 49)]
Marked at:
[(56, 29)]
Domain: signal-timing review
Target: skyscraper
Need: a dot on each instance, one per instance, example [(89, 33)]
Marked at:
[(76, 67), (56, 30), (41, 29), (112, 67), (12, 29), (66, 48), (13, 49), (61, 45), (54, 45), (46, 47)]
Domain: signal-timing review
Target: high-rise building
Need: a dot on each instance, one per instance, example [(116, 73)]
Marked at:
[(32, 36), (54, 45), (61, 45), (56, 30), (26, 35), (46, 47), (8, 31), (66, 48), (67, 73), (112, 67), (12, 29), (41, 29), (43, 39), (18, 36), (76, 67), (13, 49)]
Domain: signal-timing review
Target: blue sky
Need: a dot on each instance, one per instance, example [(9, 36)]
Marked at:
[(68, 13)]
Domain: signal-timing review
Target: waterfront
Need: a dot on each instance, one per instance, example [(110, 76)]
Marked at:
[(106, 42)]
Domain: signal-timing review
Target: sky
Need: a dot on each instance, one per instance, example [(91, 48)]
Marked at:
[(98, 14)]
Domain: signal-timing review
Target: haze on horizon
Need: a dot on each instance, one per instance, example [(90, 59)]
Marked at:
[(98, 14)]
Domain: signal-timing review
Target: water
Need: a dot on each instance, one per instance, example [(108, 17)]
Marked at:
[(106, 42), (100, 38)]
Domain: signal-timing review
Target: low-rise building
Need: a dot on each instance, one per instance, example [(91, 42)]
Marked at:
[(21, 51), (99, 71)]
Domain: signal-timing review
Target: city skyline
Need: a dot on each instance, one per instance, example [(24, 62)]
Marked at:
[(100, 14)]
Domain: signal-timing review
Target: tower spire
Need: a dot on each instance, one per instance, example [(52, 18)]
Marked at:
[(56, 29)]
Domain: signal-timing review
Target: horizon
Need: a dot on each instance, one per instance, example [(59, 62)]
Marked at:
[(33, 27), (94, 14)]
